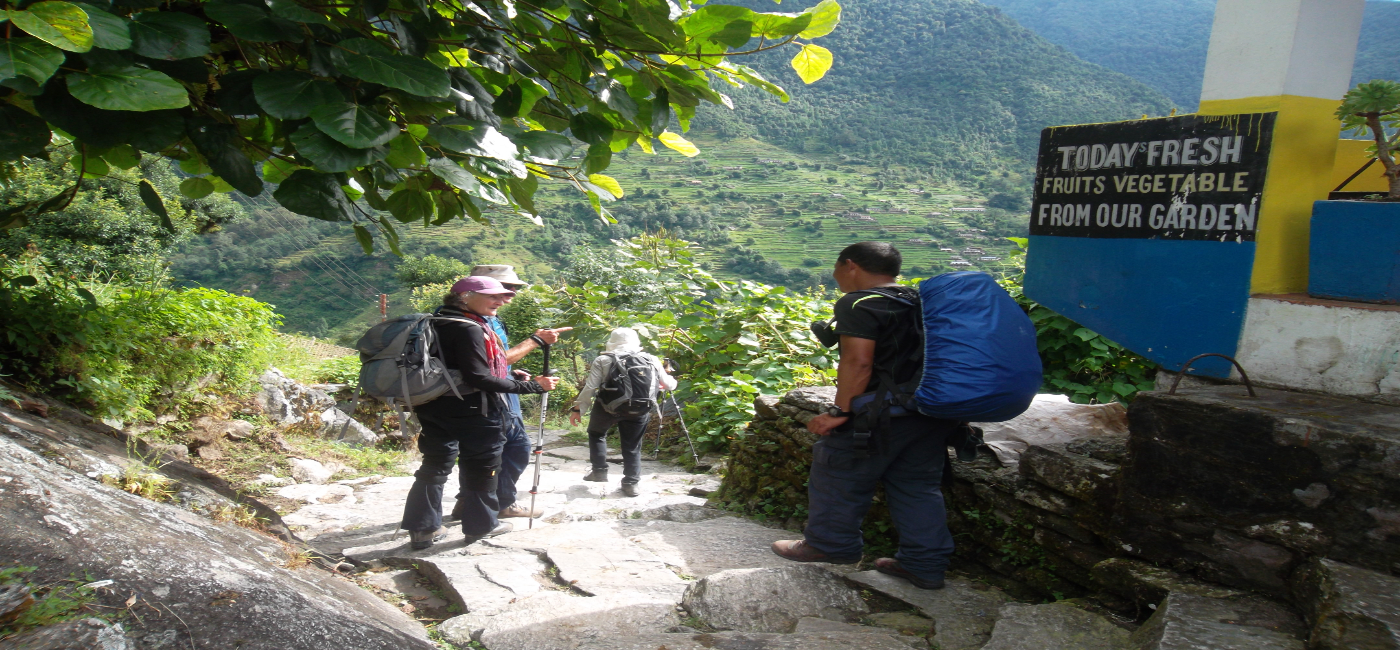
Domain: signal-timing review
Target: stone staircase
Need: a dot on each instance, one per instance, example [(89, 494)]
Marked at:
[(664, 570)]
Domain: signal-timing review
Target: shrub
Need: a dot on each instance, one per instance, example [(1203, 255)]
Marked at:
[(127, 349), (340, 370), (419, 271)]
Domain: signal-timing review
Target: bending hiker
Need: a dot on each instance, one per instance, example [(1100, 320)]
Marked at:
[(626, 382), (515, 455), (881, 349), (469, 429)]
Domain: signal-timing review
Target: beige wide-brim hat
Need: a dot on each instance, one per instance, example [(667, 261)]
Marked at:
[(505, 273)]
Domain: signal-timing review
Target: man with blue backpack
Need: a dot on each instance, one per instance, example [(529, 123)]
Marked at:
[(916, 364)]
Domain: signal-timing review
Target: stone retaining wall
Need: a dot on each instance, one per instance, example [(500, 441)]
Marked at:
[(1211, 492)]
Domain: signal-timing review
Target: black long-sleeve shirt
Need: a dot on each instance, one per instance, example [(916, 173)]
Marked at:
[(464, 350)]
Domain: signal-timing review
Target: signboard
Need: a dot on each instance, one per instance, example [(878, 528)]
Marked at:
[(1196, 177)]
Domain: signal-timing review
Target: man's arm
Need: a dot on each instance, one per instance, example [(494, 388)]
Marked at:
[(518, 352), (852, 376)]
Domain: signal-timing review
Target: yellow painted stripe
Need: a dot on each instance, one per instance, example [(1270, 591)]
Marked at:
[(1300, 172)]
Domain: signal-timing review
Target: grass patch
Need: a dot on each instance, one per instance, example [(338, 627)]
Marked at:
[(143, 479), (54, 602)]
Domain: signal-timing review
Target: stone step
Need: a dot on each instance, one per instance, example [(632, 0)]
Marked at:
[(964, 612), (749, 641), (1041, 627), (556, 619), (772, 600), (1349, 607), (1187, 621)]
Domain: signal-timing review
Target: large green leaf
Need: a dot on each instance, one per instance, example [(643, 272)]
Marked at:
[(292, 95), (63, 25), (408, 205), (169, 35), (479, 140), (151, 198), (678, 144), (826, 15), (354, 125), (127, 89), (197, 187), (453, 174), (365, 59), (811, 62), (292, 10), (545, 146), (405, 152), (219, 145), (590, 128), (252, 23), (29, 57), (329, 155), (21, 134), (109, 31), (777, 25), (712, 19), (315, 195), (276, 170)]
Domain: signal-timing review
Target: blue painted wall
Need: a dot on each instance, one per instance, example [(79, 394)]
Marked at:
[(1355, 251), (1167, 300)]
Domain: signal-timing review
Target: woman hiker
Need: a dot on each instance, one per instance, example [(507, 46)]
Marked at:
[(623, 342), (470, 429)]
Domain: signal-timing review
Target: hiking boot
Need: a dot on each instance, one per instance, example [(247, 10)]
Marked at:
[(458, 511), (597, 476), (500, 529), (421, 539), (798, 550), (517, 510), (890, 567), (629, 489)]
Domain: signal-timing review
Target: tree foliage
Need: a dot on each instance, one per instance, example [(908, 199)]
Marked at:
[(427, 110), (430, 269), (1374, 107), (108, 230)]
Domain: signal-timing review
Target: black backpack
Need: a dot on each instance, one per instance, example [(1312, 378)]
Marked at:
[(631, 387)]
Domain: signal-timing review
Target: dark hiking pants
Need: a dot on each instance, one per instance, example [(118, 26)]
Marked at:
[(474, 442), (630, 429), (515, 457), (908, 459)]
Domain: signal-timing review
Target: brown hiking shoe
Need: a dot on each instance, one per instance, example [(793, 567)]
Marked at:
[(517, 510), (457, 511), (798, 550), (890, 567)]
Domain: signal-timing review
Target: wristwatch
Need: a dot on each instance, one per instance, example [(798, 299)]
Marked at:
[(836, 412)]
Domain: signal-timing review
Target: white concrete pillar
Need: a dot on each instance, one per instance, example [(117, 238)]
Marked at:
[(1293, 57)]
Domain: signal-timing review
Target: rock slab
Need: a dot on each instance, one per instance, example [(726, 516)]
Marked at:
[(749, 641), (86, 633), (1039, 627), (224, 582), (556, 620), (771, 600), (1187, 621), (1349, 607), (963, 612)]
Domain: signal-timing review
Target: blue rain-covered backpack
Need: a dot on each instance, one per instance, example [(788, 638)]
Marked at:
[(981, 363)]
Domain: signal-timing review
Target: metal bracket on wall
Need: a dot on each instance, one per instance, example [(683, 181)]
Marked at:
[(1187, 366)]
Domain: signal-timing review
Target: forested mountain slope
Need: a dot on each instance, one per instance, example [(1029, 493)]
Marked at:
[(1163, 43), (953, 85)]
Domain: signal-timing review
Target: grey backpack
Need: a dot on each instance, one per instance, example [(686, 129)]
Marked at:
[(631, 386), (401, 363)]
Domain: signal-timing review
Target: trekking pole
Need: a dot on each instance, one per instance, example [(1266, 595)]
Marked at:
[(681, 418), (539, 442), (660, 420)]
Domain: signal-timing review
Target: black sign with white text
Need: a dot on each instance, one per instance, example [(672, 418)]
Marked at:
[(1191, 177)]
